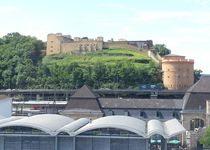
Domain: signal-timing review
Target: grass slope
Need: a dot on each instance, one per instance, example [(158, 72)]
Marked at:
[(107, 56)]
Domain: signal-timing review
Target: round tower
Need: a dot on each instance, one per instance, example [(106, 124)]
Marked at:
[(178, 72)]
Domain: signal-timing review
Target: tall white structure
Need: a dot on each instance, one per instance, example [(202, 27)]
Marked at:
[(5, 106)]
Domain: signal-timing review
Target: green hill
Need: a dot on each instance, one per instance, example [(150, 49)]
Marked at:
[(108, 68), (106, 56), (24, 67)]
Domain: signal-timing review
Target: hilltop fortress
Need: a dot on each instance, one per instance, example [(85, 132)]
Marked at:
[(58, 43), (178, 72)]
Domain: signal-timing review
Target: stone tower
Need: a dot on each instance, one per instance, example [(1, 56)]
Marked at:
[(53, 43), (178, 72)]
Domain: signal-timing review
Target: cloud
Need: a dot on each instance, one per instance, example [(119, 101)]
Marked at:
[(151, 16), (112, 5), (199, 2), (8, 9)]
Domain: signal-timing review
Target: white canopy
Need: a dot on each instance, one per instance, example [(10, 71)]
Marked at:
[(120, 122), (54, 124), (73, 126), (173, 128), (155, 127), (48, 123)]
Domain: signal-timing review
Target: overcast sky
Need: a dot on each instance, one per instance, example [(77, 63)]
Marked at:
[(182, 25)]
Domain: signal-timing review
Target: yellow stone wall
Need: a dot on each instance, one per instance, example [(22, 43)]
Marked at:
[(178, 73), (57, 43), (53, 44)]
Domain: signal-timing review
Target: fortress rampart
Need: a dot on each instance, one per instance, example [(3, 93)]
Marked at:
[(58, 43)]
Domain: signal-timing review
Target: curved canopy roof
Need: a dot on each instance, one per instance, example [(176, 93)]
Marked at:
[(173, 127), (47, 123), (73, 126), (54, 124), (166, 129), (120, 122), (5, 120), (155, 127)]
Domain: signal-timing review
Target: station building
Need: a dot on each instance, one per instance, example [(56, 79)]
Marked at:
[(57, 132)]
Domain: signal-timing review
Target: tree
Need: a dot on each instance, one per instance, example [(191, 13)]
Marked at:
[(161, 49), (205, 139), (197, 74)]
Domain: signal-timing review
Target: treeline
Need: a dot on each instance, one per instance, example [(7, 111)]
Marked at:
[(21, 68)]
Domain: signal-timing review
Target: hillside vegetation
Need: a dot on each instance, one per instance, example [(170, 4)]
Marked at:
[(106, 56), (22, 66)]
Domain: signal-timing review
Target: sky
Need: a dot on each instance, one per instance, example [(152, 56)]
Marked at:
[(182, 25)]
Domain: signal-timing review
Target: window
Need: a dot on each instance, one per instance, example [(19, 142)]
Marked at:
[(127, 113), (175, 115), (158, 114), (142, 114), (111, 112), (196, 123)]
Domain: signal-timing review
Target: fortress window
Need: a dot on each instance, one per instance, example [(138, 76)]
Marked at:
[(168, 76), (51, 46), (168, 69), (51, 41)]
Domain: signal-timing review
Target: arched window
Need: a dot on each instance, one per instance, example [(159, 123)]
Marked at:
[(196, 123)]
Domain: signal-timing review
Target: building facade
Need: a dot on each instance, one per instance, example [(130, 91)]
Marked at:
[(178, 72), (57, 132), (58, 43), (195, 111)]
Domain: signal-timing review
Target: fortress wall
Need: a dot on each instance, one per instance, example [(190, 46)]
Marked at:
[(81, 46), (58, 43), (69, 47), (120, 45), (155, 57)]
